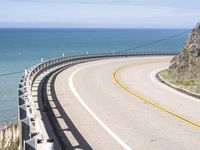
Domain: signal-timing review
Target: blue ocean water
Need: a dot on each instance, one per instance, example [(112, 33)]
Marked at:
[(20, 48)]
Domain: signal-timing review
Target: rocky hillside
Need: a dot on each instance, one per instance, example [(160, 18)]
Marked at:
[(9, 137), (186, 65)]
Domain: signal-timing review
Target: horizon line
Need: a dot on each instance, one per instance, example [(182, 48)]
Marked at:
[(176, 28)]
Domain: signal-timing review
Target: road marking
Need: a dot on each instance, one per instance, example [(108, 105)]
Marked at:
[(132, 93), (105, 127)]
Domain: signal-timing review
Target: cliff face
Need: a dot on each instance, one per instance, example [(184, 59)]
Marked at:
[(186, 65)]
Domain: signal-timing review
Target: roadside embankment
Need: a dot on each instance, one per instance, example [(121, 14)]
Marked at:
[(9, 136), (189, 87)]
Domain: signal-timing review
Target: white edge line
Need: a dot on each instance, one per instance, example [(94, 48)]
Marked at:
[(153, 78), (71, 85)]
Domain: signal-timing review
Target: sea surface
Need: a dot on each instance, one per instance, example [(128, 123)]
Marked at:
[(20, 48)]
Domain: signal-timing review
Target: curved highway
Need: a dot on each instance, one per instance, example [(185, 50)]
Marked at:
[(118, 104)]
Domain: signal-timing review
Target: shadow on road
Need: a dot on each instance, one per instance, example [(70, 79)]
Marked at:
[(62, 124)]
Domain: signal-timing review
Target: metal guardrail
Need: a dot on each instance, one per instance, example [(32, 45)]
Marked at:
[(32, 131)]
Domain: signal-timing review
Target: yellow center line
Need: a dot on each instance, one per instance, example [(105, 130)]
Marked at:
[(147, 101)]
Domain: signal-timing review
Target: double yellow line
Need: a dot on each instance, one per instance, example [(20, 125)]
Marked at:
[(132, 93)]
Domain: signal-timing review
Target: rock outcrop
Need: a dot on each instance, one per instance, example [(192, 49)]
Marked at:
[(186, 65), (9, 137)]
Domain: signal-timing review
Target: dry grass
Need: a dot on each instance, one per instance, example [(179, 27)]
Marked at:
[(9, 139), (189, 85)]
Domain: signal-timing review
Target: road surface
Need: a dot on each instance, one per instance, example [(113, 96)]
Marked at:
[(118, 104)]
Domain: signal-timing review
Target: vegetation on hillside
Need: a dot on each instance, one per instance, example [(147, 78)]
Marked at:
[(9, 137)]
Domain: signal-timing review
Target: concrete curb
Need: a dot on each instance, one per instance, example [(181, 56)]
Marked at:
[(159, 78)]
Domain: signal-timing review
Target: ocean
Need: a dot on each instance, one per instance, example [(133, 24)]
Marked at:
[(20, 48)]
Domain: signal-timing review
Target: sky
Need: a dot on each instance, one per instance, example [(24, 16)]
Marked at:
[(100, 13)]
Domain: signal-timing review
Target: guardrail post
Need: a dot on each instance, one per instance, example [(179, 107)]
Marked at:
[(22, 112), (21, 100), (49, 144), (30, 144), (21, 116), (25, 130)]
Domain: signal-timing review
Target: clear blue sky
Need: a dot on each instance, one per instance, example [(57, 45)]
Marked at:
[(100, 13)]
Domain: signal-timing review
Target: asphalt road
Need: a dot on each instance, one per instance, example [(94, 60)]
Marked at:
[(118, 104)]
